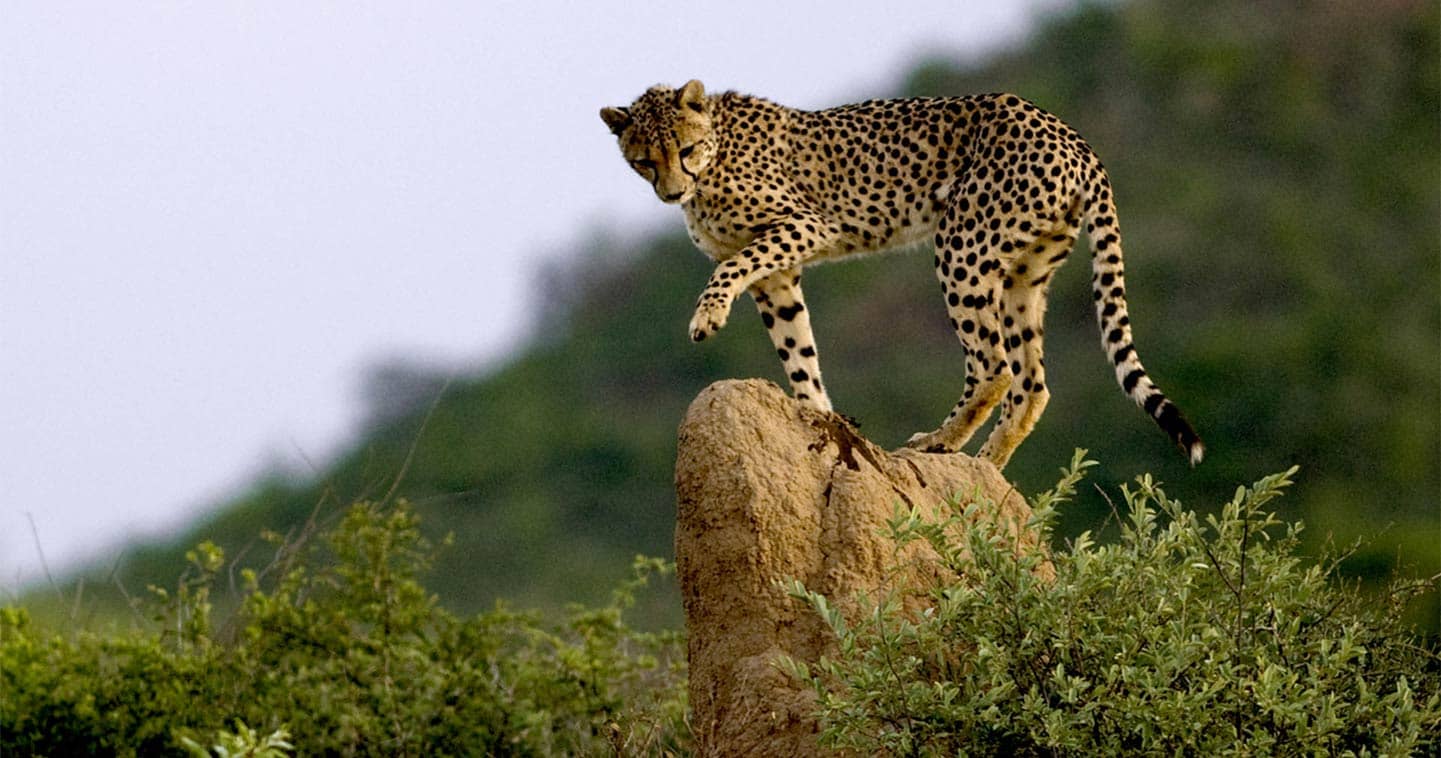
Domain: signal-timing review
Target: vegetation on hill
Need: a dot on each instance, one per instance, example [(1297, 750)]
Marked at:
[(337, 649), (1276, 171), (1184, 637)]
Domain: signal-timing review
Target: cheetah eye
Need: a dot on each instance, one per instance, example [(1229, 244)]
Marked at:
[(686, 151)]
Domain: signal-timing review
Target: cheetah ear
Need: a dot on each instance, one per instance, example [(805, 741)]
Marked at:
[(692, 96), (615, 118)]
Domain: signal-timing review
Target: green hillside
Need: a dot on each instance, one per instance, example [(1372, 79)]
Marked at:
[(1278, 176)]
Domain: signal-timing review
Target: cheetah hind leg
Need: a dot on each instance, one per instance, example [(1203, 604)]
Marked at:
[(975, 406), (783, 310), (1023, 310), (972, 296)]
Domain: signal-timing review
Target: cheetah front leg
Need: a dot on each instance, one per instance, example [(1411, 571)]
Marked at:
[(780, 246), (783, 310)]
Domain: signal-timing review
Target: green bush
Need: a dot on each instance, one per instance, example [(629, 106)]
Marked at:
[(338, 649), (1183, 638), (244, 742)]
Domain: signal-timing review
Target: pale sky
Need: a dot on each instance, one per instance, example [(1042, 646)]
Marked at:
[(214, 216)]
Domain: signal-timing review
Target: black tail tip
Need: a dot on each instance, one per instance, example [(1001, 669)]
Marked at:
[(1169, 418)]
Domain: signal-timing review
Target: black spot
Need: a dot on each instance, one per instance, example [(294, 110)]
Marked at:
[(808, 352), (799, 375), (789, 312), (1129, 383), (768, 319)]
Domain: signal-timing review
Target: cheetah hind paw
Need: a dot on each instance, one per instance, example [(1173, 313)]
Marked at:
[(929, 442)]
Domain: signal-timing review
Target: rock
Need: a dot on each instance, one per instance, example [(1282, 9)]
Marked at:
[(768, 492)]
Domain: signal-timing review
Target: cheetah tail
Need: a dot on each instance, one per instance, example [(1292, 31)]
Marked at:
[(1109, 292)]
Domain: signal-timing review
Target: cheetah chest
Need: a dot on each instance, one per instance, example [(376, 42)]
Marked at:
[(709, 233)]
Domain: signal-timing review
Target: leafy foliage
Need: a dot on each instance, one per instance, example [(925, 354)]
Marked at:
[(1188, 636), (243, 742), (347, 652)]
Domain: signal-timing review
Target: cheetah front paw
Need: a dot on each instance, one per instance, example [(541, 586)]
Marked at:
[(709, 317), (929, 442)]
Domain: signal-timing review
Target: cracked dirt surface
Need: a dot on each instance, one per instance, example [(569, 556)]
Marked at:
[(767, 492)]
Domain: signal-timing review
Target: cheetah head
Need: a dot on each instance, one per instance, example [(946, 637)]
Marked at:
[(667, 137)]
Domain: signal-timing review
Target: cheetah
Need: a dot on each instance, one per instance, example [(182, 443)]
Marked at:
[(1001, 187)]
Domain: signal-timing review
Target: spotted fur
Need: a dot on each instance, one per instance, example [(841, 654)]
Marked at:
[(1002, 188)]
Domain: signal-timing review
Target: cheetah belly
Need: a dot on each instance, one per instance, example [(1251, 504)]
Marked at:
[(901, 239)]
